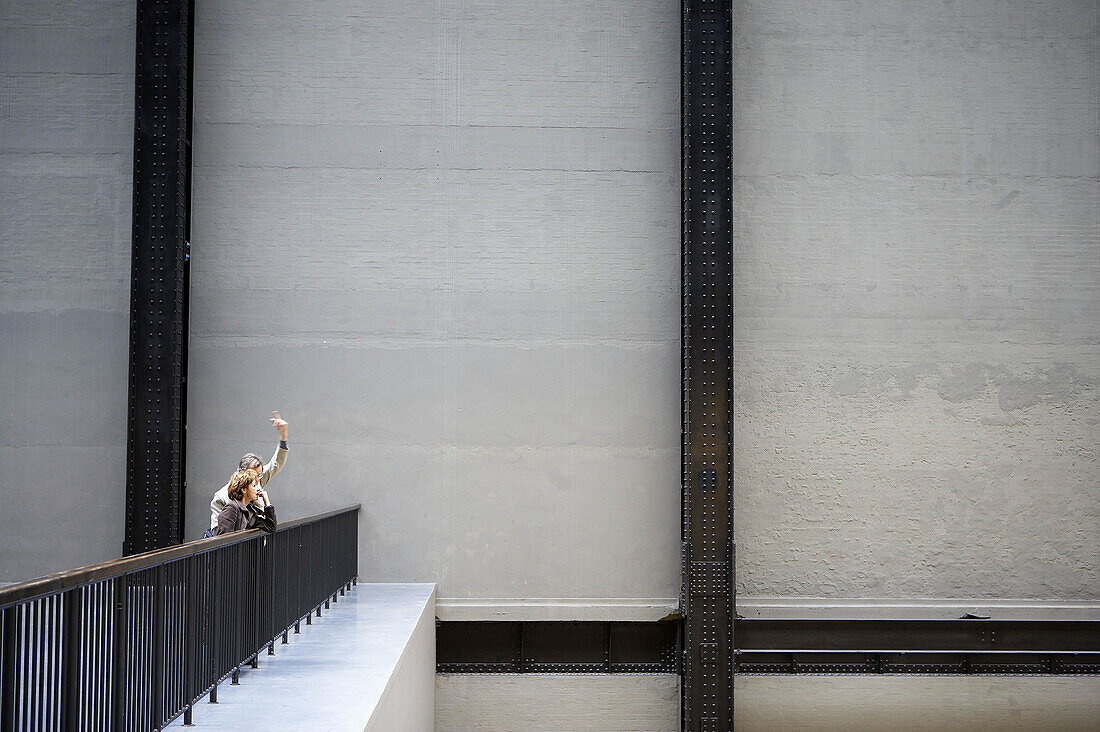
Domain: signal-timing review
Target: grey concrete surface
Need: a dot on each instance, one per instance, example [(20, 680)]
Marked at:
[(917, 299), (366, 663), (792, 608), (606, 702), (66, 139), (916, 703), (408, 703), (470, 296), (443, 240), (559, 702), (577, 608)]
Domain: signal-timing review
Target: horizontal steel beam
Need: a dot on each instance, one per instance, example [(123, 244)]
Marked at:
[(557, 647), (921, 662), (777, 646), (918, 635)]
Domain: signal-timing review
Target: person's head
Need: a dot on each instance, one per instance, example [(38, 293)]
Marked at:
[(251, 461), (243, 485)]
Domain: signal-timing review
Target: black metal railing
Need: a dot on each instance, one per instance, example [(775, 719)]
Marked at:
[(133, 643)]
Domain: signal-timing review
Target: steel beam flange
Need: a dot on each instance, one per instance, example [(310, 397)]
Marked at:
[(707, 366), (159, 275)]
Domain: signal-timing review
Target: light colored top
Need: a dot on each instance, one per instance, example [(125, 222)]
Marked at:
[(221, 498)]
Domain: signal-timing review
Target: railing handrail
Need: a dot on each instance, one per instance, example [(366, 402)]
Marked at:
[(67, 579)]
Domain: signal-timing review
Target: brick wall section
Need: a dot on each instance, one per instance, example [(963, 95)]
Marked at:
[(917, 299)]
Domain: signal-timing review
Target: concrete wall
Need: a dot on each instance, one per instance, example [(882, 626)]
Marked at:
[(917, 299), (538, 702), (66, 140), (471, 702), (443, 240), (408, 701), (916, 703)]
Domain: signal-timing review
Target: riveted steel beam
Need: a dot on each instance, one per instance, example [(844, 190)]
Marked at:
[(960, 646), (707, 588), (159, 275), (777, 646), (493, 646)]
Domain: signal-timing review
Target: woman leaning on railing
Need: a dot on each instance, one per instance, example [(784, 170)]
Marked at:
[(240, 514)]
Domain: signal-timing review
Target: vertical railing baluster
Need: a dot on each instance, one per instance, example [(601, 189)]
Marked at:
[(45, 612), (103, 672), (157, 635), (213, 628), (251, 601), (205, 598), (316, 550), (26, 661), (138, 651), (36, 640), (86, 703), (83, 654), (93, 678), (245, 620), (42, 666), (190, 641), (49, 657), (26, 650), (237, 642), (296, 554), (145, 630), (46, 670), (269, 577), (132, 651), (173, 663), (8, 674), (89, 622), (58, 662), (119, 666), (227, 579), (278, 574), (71, 642)]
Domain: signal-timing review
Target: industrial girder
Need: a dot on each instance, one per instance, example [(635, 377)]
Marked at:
[(707, 588), (159, 275)]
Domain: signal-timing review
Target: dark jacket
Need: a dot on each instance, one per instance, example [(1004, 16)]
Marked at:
[(237, 517)]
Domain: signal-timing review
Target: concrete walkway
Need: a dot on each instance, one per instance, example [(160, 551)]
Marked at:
[(339, 672)]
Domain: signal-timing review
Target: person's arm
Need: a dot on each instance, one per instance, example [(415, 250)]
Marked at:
[(227, 520), (278, 460), (275, 464), (267, 520), (221, 498)]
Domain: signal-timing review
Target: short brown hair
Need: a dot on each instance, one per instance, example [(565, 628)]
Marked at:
[(239, 483)]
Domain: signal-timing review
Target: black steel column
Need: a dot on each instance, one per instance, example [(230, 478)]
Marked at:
[(159, 272), (707, 531)]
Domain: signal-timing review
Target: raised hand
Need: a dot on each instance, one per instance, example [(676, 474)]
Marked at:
[(280, 424)]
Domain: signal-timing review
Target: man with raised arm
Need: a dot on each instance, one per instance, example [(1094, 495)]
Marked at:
[(251, 461)]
